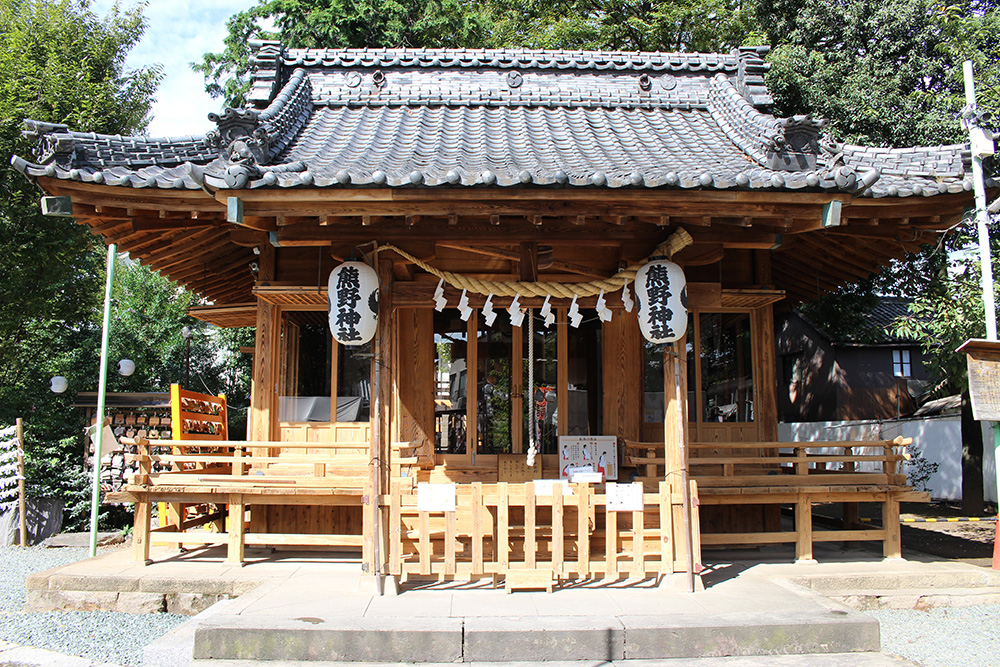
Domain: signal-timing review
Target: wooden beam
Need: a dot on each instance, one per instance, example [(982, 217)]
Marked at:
[(165, 224), (528, 261)]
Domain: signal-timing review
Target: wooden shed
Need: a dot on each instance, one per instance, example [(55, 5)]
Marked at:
[(548, 172)]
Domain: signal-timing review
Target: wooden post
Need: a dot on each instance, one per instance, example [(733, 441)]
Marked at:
[(477, 528), (803, 530), (610, 543), (666, 529), (892, 546), (583, 493), (143, 513), (674, 449), (503, 527), (383, 390), (234, 553), (558, 546), (140, 530), (21, 510), (530, 545)]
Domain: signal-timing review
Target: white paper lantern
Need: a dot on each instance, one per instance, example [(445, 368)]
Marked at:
[(126, 367), (58, 384), (661, 297), (353, 303)]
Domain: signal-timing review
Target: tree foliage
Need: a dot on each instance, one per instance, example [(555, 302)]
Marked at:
[(337, 24), (885, 72), (59, 63), (685, 25)]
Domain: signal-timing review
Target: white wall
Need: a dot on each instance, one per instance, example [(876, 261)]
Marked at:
[(938, 438)]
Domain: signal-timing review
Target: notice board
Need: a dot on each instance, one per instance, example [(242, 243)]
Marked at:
[(983, 357), (598, 452)]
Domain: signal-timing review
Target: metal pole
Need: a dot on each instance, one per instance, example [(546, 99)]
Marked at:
[(985, 263), (22, 511), (982, 217), (101, 394)]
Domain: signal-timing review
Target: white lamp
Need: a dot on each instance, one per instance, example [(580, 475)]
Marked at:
[(661, 295), (353, 300), (126, 367), (58, 384)]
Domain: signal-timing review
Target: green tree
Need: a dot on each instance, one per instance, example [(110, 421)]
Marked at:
[(630, 25), (884, 72), (943, 317), (337, 24), (59, 63)]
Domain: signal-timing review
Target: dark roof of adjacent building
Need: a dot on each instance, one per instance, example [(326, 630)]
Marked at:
[(876, 330), (471, 117)]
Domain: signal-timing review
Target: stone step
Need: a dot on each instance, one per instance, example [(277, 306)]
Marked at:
[(538, 638), (806, 660), (928, 580), (914, 598)]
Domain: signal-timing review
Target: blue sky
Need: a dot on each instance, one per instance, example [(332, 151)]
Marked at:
[(179, 32)]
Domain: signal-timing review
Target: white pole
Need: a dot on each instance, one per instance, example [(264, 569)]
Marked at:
[(101, 393), (982, 217)]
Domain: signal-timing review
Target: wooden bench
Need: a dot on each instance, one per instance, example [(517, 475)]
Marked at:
[(230, 476), (800, 474)]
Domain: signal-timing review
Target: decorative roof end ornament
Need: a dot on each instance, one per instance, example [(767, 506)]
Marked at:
[(244, 143), (53, 142), (793, 144), (266, 75)]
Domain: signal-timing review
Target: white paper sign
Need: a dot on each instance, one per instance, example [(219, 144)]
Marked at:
[(551, 487), (598, 452), (624, 497), (435, 497), (586, 477)]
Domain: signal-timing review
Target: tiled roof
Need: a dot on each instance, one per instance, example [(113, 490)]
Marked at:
[(451, 117)]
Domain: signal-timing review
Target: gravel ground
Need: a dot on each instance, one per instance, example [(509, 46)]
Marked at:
[(955, 637), (96, 635)]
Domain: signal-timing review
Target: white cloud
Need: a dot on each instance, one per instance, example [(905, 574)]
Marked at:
[(180, 32)]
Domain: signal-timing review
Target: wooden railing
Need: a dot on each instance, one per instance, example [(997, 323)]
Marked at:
[(507, 531), (226, 477), (800, 474)]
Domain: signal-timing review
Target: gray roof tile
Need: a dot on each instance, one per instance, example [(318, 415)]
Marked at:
[(450, 117)]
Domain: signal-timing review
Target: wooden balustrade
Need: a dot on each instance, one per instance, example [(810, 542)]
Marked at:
[(799, 474), (506, 530), (228, 477)]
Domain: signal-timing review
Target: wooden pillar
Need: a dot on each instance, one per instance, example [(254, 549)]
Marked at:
[(803, 529), (766, 389), (140, 530), (892, 546), (263, 398), (384, 383), (234, 553), (672, 414)]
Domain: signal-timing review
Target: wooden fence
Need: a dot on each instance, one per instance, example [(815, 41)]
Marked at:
[(506, 529)]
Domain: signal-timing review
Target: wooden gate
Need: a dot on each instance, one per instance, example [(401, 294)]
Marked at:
[(499, 528)]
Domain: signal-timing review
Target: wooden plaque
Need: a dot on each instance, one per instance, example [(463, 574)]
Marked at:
[(514, 468), (983, 357)]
